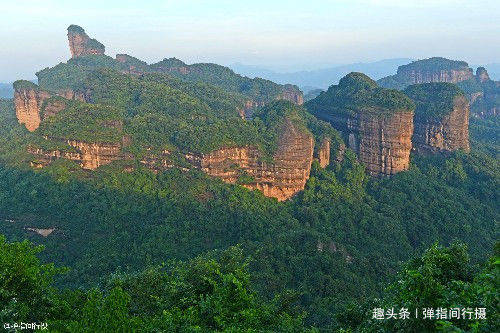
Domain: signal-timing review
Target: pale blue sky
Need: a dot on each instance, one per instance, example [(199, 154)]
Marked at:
[(286, 35)]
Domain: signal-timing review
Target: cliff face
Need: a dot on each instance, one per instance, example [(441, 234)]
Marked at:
[(424, 76), (292, 94), (382, 143), (29, 99), (449, 133), (81, 44), (281, 179), (322, 155), (88, 155), (27, 102), (379, 132)]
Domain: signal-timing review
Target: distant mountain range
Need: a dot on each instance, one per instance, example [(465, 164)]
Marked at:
[(311, 80), (323, 78)]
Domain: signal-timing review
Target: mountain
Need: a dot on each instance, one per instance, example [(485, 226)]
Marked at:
[(322, 78), (482, 92), (95, 110), (176, 197)]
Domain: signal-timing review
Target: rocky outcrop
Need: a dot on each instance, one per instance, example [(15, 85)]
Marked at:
[(441, 118), (33, 104), (81, 44), (420, 76), (89, 155), (382, 143), (482, 74), (292, 93), (322, 153), (435, 70), (282, 178), (28, 100), (447, 134), (379, 132)]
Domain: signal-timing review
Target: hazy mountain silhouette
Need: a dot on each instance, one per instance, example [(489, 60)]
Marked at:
[(323, 78)]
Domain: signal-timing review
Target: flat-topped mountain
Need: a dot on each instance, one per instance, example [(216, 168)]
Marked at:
[(441, 117), (481, 91), (434, 69), (376, 123)]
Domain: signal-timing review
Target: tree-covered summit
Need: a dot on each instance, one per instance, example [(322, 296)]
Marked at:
[(76, 29), (433, 100), (357, 93), (434, 64)]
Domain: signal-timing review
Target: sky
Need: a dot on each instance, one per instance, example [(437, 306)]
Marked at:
[(286, 35)]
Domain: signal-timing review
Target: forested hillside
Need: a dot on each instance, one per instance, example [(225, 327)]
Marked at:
[(153, 194), (339, 241)]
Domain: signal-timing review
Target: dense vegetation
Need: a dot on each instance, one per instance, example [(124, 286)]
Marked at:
[(351, 230), (433, 100), (257, 89), (433, 64), (357, 93), (400, 81), (322, 259)]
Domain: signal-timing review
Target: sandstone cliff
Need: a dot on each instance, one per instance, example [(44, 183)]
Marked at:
[(87, 154), (292, 93), (81, 44), (441, 118), (33, 104), (434, 69), (376, 123), (281, 179)]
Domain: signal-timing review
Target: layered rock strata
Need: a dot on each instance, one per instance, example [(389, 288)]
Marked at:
[(375, 123), (441, 124), (382, 143), (88, 155), (281, 179), (28, 100)]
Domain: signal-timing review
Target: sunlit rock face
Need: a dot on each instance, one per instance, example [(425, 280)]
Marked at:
[(28, 99), (89, 155), (81, 44), (280, 178), (441, 118), (33, 104), (376, 123)]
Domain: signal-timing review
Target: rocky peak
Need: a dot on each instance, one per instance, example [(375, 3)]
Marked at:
[(81, 44), (482, 74)]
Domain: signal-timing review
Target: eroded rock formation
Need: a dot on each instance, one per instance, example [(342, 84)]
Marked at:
[(28, 100), (33, 104), (89, 155), (293, 94), (441, 118), (281, 179), (322, 153), (379, 133), (81, 44), (382, 143)]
